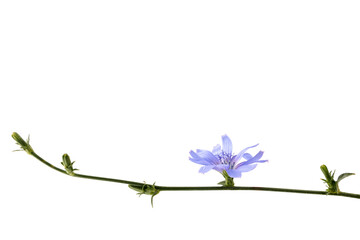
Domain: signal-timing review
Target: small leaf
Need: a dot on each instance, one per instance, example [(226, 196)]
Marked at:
[(137, 188), (222, 183), (333, 174), (344, 175)]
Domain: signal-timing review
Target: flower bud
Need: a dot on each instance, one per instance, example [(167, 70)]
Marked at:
[(68, 165), (24, 145), (146, 189), (326, 173), (333, 186)]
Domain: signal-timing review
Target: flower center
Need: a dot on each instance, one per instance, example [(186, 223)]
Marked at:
[(225, 158)]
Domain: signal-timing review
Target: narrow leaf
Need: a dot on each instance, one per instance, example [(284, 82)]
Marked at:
[(222, 183), (344, 175)]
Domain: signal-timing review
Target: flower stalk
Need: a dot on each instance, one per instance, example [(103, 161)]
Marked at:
[(228, 184)]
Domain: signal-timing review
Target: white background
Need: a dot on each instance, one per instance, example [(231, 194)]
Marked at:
[(128, 88)]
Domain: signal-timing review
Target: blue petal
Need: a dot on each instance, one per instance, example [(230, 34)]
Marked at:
[(241, 153), (208, 156), (221, 167), (247, 156), (227, 144), (197, 159), (245, 168), (234, 173), (205, 169), (256, 158), (216, 150)]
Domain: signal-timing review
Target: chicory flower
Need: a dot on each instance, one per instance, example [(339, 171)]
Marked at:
[(224, 161)]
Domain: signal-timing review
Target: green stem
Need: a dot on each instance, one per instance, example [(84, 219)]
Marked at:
[(47, 163), (85, 176), (232, 188), (343, 194)]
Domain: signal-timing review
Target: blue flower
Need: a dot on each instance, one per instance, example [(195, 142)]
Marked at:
[(223, 159)]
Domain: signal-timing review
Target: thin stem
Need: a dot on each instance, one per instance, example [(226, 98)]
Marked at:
[(165, 188), (85, 176), (107, 179), (351, 195), (343, 194), (47, 163)]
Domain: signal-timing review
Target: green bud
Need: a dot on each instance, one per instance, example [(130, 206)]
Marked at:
[(329, 180), (325, 171), (146, 189), (24, 145), (68, 165), (333, 186)]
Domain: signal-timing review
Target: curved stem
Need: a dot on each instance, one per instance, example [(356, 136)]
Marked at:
[(47, 163), (165, 188), (85, 176)]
